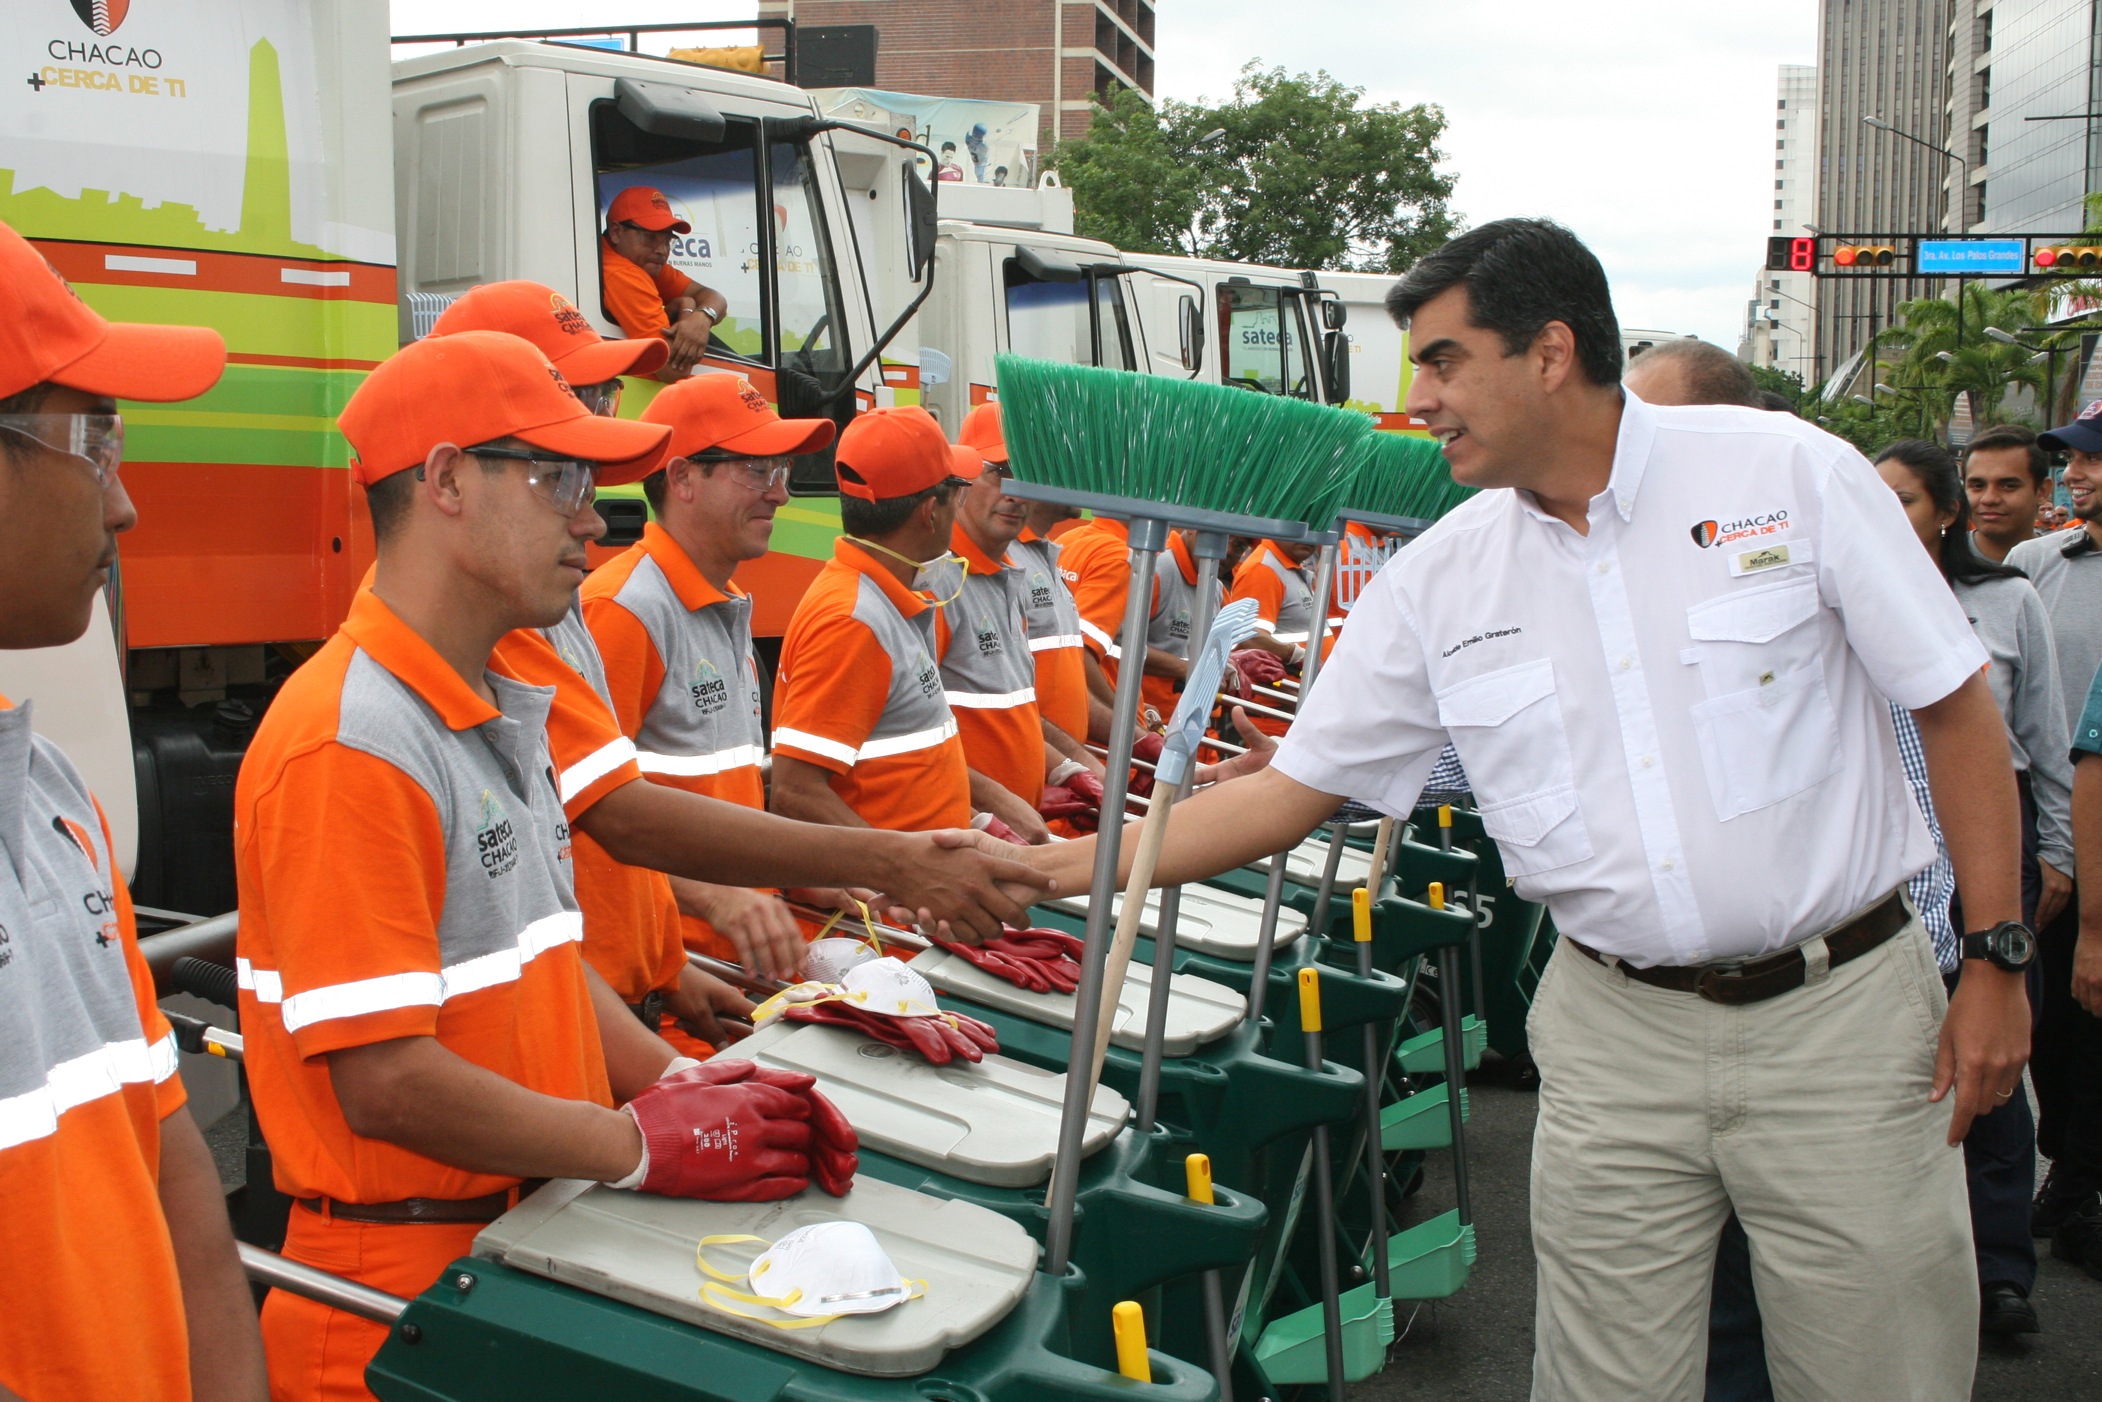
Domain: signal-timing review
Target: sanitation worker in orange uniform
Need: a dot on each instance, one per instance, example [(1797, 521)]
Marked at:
[(640, 289)]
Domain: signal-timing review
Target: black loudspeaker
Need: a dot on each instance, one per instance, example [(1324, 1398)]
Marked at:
[(836, 56)]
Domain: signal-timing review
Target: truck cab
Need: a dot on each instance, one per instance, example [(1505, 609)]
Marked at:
[(1277, 331)]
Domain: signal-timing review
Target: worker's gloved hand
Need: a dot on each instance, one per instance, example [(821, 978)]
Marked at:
[(1087, 786), (1059, 801), (1255, 668), (939, 1038), (834, 1146), (1040, 960), (742, 1142), (993, 827), (1147, 747)]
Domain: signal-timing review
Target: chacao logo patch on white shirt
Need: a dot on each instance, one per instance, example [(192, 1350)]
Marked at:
[(1753, 527)]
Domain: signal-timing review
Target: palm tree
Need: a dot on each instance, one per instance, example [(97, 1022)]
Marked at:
[(1942, 351)]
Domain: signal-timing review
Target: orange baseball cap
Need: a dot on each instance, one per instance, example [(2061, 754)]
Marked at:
[(981, 430), (477, 386), (646, 206), (723, 413), (551, 321), (887, 453), (47, 334)]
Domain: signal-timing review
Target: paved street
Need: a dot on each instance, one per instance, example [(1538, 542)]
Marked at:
[(1477, 1347)]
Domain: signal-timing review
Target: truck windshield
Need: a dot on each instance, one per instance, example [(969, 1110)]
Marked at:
[(1265, 340), (770, 258), (1051, 320)]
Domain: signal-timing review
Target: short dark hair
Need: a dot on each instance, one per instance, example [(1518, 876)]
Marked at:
[(654, 485), (1995, 437), (867, 519), (387, 500), (1776, 402), (1520, 274), (28, 401), (1713, 375)]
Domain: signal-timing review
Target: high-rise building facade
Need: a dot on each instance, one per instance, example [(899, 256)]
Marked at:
[(1780, 319), (1057, 53), (1886, 59), (2022, 77)]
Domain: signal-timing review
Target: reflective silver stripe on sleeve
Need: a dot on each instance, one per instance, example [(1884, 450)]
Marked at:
[(694, 766), (815, 744), (391, 991), (595, 766), (1109, 644), (1289, 637), (906, 744), (988, 701), (1045, 644), (104, 1071)]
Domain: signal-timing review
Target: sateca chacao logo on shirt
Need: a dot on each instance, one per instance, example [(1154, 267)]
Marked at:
[(987, 633), (495, 840), (929, 676), (1039, 590), (98, 900), (710, 691)]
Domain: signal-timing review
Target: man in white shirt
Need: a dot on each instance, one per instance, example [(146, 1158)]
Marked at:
[(1662, 653)]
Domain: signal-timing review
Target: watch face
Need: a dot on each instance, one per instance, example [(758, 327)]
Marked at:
[(2013, 944)]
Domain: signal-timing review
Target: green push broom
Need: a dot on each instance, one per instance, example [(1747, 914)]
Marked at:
[(1156, 452)]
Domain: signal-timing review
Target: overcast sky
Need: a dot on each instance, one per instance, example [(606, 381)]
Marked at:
[(1645, 125)]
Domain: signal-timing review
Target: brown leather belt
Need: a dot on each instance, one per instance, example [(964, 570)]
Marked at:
[(1757, 980), (486, 1208), (650, 1010)]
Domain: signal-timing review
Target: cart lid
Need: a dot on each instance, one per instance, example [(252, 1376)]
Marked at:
[(993, 1122), (1222, 924), (1199, 1011), (639, 1249)]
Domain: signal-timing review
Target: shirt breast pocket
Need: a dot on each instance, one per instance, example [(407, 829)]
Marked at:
[(1507, 726), (1767, 729)]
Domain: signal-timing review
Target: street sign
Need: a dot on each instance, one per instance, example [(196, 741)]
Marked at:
[(1970, 257)]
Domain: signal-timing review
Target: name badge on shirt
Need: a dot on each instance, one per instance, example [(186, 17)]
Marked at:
[(1769, 557)]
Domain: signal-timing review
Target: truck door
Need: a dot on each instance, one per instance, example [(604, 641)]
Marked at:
[(1264, 341)]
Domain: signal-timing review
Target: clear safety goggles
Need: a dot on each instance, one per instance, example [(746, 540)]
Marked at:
[(566, 484), (601, 399), (760, 474), (97, 439)]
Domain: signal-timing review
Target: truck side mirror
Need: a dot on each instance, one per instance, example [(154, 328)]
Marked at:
[(920, 222), (1336, 356), (662, 109), (1334, 314), (1191, 321)]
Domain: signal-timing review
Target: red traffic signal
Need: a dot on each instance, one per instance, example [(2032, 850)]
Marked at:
[(1849, 255), (2064, 258)]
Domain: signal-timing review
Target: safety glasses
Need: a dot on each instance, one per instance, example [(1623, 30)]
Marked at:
[(601, 399), (566, 484), (760, 474), (97, 439)]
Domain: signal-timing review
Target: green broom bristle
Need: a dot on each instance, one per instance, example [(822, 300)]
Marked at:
[(1177, 442), (1399, 474)]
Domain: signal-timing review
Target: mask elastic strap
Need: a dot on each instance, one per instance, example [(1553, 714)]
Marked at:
[(717, 1294), (918, 565)]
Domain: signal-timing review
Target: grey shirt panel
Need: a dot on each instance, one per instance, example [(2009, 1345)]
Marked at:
[(65, 988), (573, 643), (507, 858), (2009, 618), (707, 710), (916, 703), (1295, 616), (1048, 606), (2071, 589), (988, 652), (1173, 608)]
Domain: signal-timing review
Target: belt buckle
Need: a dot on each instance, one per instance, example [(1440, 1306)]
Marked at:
[(1714, 980)]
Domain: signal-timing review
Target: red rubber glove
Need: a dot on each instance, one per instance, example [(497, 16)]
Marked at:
[(1147, 747), (995, 828), (1059, 801), (934, 1038), (834, 1146), (1040, 960), (1257, 668), (745, 1142), (1087, 787)]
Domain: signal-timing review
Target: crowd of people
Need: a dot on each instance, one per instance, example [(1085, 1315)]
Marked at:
[(573, 780)]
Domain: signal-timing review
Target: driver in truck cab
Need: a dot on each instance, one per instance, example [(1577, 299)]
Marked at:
[(643, 292)]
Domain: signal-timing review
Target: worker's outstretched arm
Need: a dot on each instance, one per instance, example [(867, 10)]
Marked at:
[(635, 1055), (989, 795), (414, 1092), (803, 791), (1060, 747), (1216, 829), (958, 878), (226, 1346)]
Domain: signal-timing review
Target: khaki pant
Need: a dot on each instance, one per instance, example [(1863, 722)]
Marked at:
[(1808, 1113)]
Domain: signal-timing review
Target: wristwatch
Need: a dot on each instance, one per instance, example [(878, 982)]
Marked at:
[(2008, 945)]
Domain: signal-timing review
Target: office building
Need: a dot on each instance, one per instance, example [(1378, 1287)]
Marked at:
[(2022, 77), (1780, 319), (1056, 53)]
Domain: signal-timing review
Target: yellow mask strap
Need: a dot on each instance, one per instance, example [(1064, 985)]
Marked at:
[(717, 1296)]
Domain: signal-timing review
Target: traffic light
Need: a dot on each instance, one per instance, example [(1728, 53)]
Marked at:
[(1791, 255), (1849, 255), (2064, 258)]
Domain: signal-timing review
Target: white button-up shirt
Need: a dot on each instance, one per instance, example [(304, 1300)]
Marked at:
[(1674, 724)]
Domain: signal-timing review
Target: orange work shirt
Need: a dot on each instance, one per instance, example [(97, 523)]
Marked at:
[(633, 298), (1054, 634), (404, 868), (859, 694), (1096, 559), (683, 681), (631, 920), (90, 1296), (988, 674)]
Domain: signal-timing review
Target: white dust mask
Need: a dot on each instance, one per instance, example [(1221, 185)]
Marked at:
[(891, 987), (816, 1273)]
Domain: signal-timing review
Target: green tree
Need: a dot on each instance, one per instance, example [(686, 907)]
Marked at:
[(1943, 351), (1786, 383), (1293, 170)]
